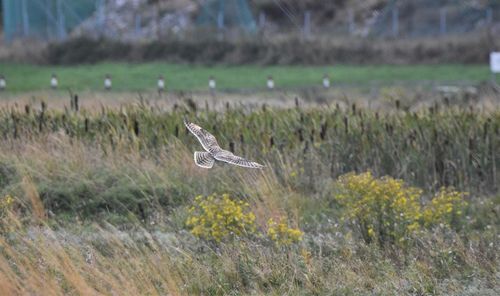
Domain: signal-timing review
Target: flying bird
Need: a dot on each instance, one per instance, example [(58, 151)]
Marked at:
[(213, 150)]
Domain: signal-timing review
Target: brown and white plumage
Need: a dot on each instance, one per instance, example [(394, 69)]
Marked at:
[(204, 159), (214, 152)]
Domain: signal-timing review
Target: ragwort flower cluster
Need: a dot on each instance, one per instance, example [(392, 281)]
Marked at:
[(282, 234), (5, 203), (445, 207), (218, 217), (387, 210)]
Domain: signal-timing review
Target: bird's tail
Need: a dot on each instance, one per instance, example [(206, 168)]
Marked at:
[(204, 159)]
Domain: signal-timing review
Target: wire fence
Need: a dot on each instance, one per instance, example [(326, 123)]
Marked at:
[(409, 21), (44, 19), (128, 19)]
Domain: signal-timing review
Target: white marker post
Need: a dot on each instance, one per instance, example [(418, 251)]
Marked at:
[(3, 83), (270, 82), (494, 65), (326, 81), (108, 83), (212, 85), (161, 84), (53, 81)]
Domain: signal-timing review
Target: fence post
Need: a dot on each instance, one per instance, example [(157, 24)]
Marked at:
[(489, 16), (307, 24), (220, 24), (101, 8), (351, 22), (155, 16), (395, 21), (138, 24), (220, 20), (262, 20), (61, 27), (26, 25), (442, 21)]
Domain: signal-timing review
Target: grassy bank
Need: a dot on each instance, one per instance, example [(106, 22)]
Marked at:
[(141, 77)]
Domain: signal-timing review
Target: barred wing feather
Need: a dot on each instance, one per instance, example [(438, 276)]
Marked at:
[(229, 157), (207, 140)]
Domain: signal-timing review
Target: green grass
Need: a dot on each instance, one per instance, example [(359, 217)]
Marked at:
[(141, 77)]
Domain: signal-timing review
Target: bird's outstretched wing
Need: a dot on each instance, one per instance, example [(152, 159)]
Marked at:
[(229, 157), (204, 159), (206, 139)]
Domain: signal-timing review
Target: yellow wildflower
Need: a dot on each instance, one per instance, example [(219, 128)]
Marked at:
[(217, 217), (281, 234), (389, 207)]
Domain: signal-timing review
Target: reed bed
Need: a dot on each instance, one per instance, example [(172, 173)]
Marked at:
[(100, 200)]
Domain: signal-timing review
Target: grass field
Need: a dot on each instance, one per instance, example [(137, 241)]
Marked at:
[(142, 77), (108, 201)]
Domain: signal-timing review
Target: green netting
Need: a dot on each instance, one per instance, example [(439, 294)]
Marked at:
[(46, 19), (227, 14)]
